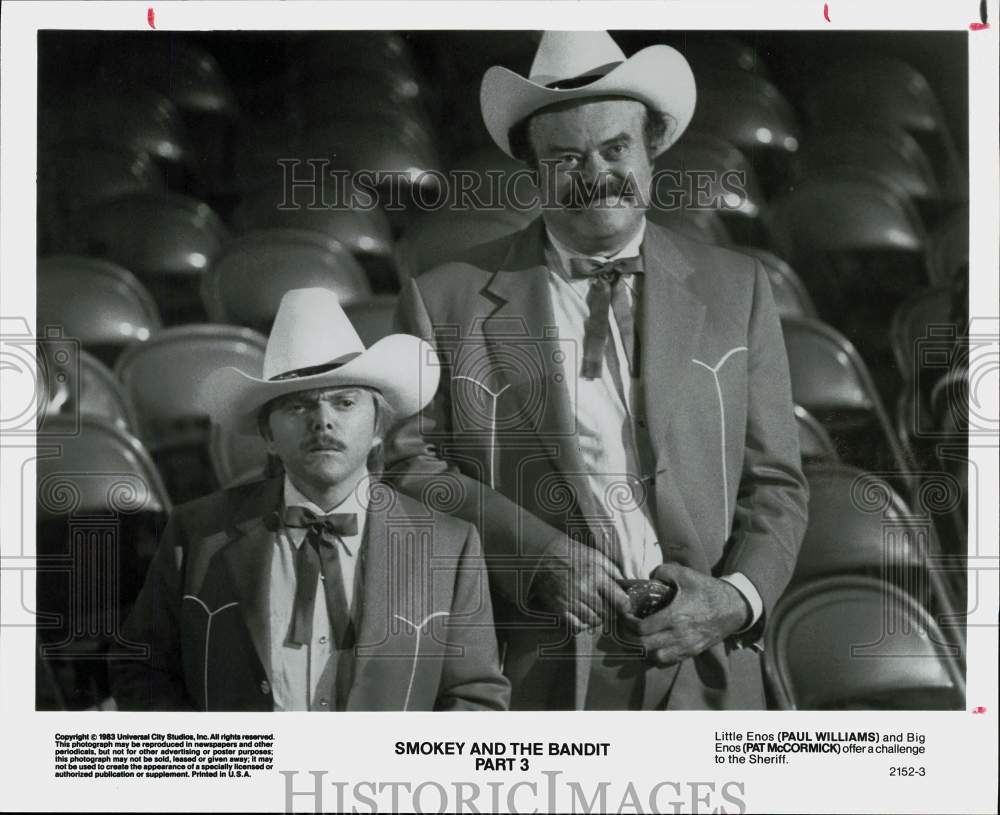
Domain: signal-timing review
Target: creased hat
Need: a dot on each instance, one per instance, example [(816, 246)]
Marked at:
[(313, 345), (580, 64)]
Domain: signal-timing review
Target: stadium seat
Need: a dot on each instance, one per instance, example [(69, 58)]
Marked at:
[(831, 381), (97, 302), (163, 379), (373, 318), (722, 51), (178, 68), (853, 642), (495, 179), (886, 91), (88, 389), (100, 504), (168, 241), (815, 443), (705, 171), (891, 154), (145, 122), (246, 284), (74, 175), (858, 524), (363, 230), (924, 316), (790, 294), (827, 213), (948, 249)]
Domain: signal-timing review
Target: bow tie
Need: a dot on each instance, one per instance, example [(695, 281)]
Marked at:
[(336, 523), (589, 267)]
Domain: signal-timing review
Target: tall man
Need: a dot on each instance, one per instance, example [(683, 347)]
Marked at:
[(615, 403), (319, 590)]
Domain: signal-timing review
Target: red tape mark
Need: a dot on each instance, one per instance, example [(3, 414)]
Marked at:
[(978, 26), (979, 709), (151, 17), (826, 12)]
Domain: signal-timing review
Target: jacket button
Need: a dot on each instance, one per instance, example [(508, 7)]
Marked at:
[(324, 702), (265, 686)]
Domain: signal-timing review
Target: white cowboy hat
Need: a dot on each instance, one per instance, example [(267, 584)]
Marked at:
[(580, 64), (313, 345)]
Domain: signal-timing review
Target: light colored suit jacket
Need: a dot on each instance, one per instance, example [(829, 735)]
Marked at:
[(425, 640), (499, 443)]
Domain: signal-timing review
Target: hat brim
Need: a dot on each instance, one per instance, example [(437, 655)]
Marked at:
[(658, 75), (402, 368)]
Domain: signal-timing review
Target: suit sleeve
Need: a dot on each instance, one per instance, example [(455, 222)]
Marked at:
[(771, 505), (155, 681), (471, 679), (515, 541)]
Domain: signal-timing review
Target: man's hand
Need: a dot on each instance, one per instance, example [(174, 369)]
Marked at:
[(705, 611), (581, 587)]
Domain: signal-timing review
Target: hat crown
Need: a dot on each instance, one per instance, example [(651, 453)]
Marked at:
[(310, 329), (567, 54)]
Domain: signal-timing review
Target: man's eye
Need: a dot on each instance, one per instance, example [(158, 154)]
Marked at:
[(617, 150), (347, 403), (567, 159)]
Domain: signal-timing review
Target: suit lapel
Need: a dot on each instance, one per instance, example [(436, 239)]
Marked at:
[(522, 301), (248, 559)]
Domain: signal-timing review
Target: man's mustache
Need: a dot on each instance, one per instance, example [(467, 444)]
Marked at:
[(324, 443), (608, 193)]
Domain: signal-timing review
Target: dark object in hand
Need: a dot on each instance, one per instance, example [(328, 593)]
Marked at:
[(648, 596)]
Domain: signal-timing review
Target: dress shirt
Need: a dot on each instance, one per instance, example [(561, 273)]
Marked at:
[(605, 427), (296, 670)]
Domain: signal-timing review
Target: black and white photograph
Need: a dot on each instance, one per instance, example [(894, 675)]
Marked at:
[(606, 371)]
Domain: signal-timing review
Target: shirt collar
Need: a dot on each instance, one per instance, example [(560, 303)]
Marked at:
[(356, 501), (629, 250)]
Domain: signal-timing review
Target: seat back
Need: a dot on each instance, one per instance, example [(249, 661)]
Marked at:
[(95, 468), (948, 249), (858, 643), (247, 282), (373, 319), (790, 294), (154, 235), (826, 371), (922, 316), (163, 377), (815, 443), (90, 390), (95, 301), (236, 458)]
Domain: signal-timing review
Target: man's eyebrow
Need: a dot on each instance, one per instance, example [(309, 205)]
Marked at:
[(623, 136)]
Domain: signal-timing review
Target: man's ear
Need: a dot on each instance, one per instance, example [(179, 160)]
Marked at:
[(376, 441)]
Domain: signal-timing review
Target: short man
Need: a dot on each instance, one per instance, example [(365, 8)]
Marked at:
[(615, 403), (320, 590)]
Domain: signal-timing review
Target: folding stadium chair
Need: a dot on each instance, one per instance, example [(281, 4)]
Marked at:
[(365, 232), (144, 122), (163, 379), (100, 504), (859, 525), (850, 642), (815, 443), (373, 318), (168, 241), (74, 175), (790, 294), (831, 381), (734, 190), (88, 389), (888, 92), (752, 114), (859, 249), (437, 237), (97, 302), (390, 99), (247, 282), (948, 249)]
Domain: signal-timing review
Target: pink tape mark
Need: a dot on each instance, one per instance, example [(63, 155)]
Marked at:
[(826, 12), (979, 709), (151, 17), (978, 26)]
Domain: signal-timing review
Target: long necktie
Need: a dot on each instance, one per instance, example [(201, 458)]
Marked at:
[(606, 290), (319, 556)]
